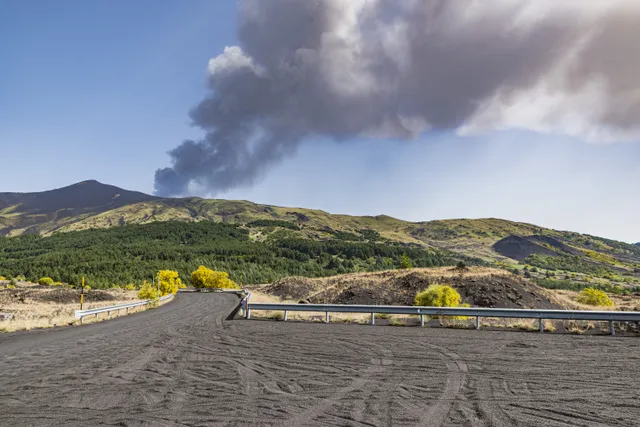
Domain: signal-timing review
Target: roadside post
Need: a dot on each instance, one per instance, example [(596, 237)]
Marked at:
[(82, 294), (82, 299), (247, 310)]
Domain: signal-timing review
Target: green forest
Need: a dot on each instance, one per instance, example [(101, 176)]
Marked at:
[(133, 253)]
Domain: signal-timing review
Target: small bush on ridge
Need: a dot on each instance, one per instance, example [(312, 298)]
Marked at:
[(169, 282), (46, 281), (204, 277), (147, 292), (591, 296), (405, 262), (438, 296)]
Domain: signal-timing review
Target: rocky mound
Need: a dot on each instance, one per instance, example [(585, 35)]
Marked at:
[(294, 287), (555, 243), (519, 248), (478, 287)]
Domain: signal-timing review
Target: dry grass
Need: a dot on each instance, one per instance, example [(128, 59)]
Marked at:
[(257, 296), (391, 319), (576, 327), (568, 300), (35, 314), (317, 286), (361, 318)]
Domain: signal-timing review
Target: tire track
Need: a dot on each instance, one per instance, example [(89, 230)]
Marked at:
[(185, 364)]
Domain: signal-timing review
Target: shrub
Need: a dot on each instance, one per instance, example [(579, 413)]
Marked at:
[(130, 287), (11, 286), (204, 277), (464, 305), (46, 281), (13, 283), (3, 278), (405, 262), (593, 296), (273, 223), (278, 315), (147, 291), (169, 282), (438, 296)]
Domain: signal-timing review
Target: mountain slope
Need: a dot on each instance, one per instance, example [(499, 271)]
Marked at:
[(45, 211), (91, 205)]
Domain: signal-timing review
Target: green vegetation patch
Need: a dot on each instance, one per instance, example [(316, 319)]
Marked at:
[(273, 223), (571, 285), (131, 254)]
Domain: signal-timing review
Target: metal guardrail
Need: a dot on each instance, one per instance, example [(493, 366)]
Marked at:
[(81, 314), (610, 316)]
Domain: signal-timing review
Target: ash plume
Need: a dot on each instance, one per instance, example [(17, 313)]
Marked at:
[(383, 68)]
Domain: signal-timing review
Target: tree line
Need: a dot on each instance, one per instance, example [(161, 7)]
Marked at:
[(133, 253)]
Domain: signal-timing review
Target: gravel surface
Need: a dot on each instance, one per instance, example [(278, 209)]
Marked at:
[(184, 364)]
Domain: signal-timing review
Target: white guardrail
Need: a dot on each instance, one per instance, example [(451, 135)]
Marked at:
[(81, 314), (609, 316)]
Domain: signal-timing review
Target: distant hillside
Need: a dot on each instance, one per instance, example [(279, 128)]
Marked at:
[(48, 210), (541, 252)]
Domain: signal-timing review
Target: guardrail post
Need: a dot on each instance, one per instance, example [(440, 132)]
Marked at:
[(286, 315), (612, 330), (82, 320), (127, 310), (108, 315), (326, 317), (477, 322), (541, 324), (97, 316), (422, 320), (373, 318)]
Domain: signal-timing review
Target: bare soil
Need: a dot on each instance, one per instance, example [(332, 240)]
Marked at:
[(33, 306), (185, 364), (61, 295)]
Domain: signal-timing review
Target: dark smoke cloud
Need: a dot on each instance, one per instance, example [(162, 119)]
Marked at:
[(387, 68)]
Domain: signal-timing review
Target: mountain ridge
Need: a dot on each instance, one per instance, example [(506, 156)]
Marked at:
[(333, 242), (93, 205)]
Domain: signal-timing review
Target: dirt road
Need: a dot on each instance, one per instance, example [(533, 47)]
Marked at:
[(184, 364)]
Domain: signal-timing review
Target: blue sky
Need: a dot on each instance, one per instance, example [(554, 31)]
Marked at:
[(102, 89)]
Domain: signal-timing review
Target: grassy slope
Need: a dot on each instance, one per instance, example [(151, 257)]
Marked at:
[(472, 237)]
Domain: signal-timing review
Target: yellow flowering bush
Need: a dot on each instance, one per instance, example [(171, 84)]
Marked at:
[(591, 296), (204, 277)]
